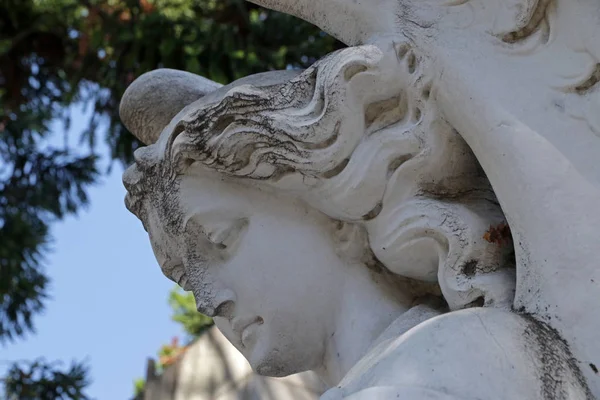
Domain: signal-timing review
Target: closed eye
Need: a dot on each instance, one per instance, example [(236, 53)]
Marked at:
[(227, 237), (219, 235)]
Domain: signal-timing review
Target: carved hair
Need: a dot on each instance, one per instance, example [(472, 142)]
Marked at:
[(362, 141)]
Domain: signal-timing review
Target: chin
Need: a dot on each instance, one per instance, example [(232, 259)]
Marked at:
[(272, 370), (276, 363), (278, 353)]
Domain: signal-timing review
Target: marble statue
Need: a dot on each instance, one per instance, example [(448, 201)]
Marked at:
[(412, 217)]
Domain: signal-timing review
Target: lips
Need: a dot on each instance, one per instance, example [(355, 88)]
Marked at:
[(240, 324)]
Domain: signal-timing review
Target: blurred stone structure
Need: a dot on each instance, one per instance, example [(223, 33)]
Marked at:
[(212, 369)]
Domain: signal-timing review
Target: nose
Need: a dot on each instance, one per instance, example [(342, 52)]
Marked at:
[(221, 305)]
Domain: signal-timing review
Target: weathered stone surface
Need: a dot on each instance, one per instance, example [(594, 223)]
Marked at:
[(413, 217)]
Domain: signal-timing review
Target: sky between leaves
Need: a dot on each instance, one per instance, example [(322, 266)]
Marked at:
[(109, 300)]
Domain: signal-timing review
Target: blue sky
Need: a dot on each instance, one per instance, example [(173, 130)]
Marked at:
[(108, 297)]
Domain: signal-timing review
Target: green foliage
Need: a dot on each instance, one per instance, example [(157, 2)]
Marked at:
[(39, 380), (193, 323), (138, 388), (38, 184), (185, 313), (91, 50), (39, 188)]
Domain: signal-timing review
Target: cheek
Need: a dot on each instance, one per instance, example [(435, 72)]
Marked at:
[(264, 263), (281, 265), (294, 255)]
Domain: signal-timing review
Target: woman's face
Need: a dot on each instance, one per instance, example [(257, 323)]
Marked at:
[(263, 266)]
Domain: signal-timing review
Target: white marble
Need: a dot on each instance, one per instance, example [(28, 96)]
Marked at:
[(355, 218)]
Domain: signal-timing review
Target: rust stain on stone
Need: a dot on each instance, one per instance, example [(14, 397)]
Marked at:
[(499, 234)]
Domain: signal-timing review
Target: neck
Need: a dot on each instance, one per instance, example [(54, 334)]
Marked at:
[(366, 309)]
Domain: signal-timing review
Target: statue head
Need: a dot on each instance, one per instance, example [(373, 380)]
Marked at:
[(261, 196)]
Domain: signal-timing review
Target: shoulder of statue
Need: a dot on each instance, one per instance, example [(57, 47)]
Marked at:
[(489, 349), (390, 392)]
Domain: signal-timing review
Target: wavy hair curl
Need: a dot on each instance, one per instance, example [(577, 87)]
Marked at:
[(358, 136)]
